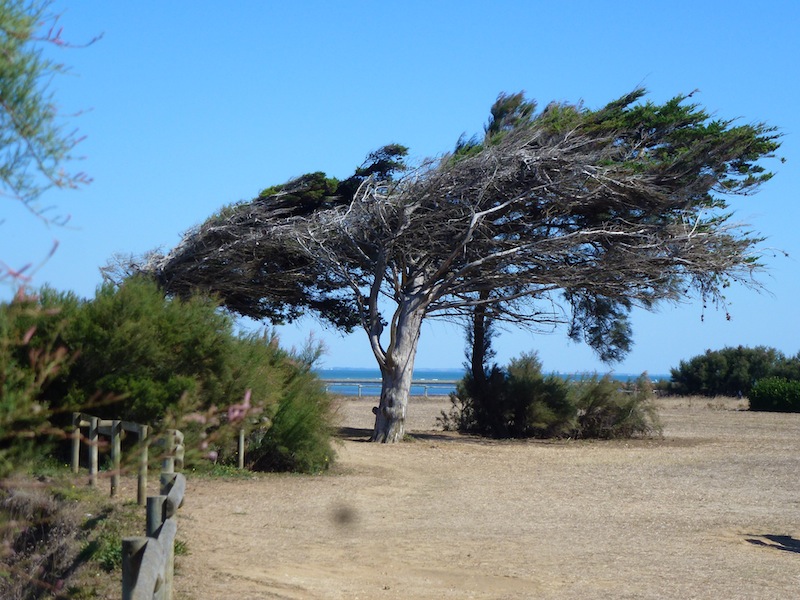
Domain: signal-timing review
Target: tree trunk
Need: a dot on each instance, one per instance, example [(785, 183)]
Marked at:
[(397, 371), (481, 341)]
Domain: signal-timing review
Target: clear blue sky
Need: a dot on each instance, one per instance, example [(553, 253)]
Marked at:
[(189, 105)]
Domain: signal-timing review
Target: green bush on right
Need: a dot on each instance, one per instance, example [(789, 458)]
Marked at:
[(775, 394)]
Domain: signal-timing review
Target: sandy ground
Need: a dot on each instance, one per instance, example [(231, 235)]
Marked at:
[(712, 510)]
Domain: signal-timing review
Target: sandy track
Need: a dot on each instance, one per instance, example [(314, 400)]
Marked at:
[(710, 511)]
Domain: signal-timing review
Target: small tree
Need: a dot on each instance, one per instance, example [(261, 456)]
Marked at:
[(568, 212)]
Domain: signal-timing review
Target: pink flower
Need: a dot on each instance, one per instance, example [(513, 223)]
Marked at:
[(28, 335), (237, 412)]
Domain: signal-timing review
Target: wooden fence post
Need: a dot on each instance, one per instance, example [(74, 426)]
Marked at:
[(241, 448), (141, 494), (93, 449), (76, 442), (167, 480), (155, 515), (116, 455), (180, 451), (132, 552), (168, 464)]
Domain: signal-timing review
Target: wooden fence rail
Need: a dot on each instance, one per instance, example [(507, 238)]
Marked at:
[(114, 428), (148, 563)]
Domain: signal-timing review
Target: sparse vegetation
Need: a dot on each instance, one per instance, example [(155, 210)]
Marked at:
[(58, 536)]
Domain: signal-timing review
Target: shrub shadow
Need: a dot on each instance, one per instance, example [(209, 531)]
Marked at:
[(785, 543)]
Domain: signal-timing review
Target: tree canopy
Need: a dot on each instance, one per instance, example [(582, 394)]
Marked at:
[(564, 214)]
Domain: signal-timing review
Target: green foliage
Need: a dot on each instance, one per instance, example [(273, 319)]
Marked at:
[(33, 145), (165, 362), (775, 394), (25, 370), (141, 353), (788, 367), (522, 402), (605, 411), (306, 194), (539, 405), (298, 438), (730, 371), (292, 431), (602, 323)]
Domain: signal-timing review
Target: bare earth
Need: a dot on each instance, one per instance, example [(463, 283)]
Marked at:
[(712, 510)]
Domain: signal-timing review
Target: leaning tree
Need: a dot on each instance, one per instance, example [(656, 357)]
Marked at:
[(564, 214)]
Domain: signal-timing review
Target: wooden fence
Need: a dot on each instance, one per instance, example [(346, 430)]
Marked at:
[(113, 429), (148, 563)]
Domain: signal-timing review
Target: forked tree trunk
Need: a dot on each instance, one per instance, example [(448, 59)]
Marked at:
[(397, 373)]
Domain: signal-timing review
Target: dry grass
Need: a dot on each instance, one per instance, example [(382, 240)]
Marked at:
[(708, 511)]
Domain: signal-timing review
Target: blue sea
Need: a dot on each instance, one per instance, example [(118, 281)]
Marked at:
[(367, 381)]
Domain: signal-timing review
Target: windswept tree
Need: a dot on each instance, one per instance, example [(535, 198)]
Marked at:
[(560, 215)]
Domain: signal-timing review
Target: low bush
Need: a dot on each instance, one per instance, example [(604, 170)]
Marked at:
[(605, 410), (299, 436), (55, 537), (520, 401), (36, 542), (540, 405), (775, 394)]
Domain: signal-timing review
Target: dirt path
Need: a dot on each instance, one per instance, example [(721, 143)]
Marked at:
[(710, 511)]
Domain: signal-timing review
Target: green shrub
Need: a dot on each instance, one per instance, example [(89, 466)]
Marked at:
[(299, 436), (521, 401), (730, 371), (607, 411), (775, 394), (165, 362), (539, 405), (292, 431), (142, 352), (478, 408), (26, 368)]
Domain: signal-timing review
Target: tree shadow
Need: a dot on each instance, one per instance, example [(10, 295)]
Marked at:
[(354, 434), (436, 436), (785, 543)]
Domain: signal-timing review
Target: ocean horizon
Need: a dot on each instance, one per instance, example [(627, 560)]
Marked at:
[(366, 380)]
